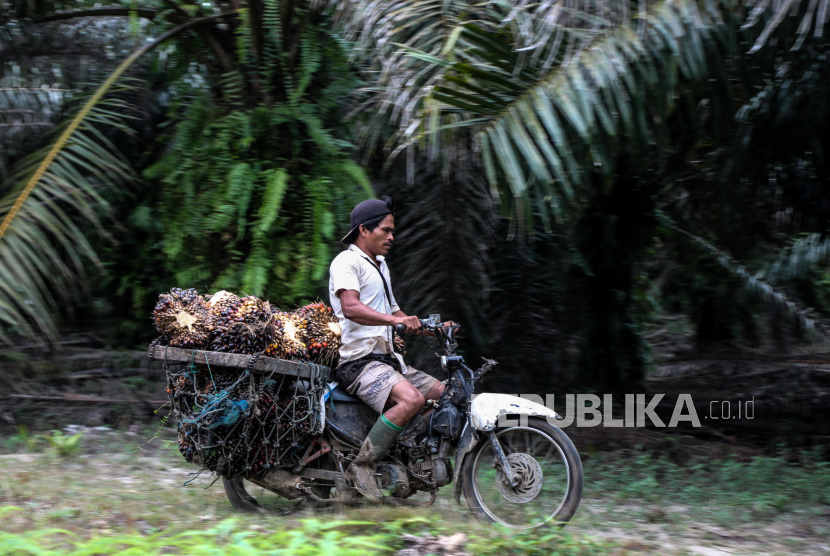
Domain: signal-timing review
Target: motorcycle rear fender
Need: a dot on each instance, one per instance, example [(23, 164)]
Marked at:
[(484, 414)]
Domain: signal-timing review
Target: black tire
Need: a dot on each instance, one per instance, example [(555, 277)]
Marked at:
[(241, 500), (557, 504), (239, 497)]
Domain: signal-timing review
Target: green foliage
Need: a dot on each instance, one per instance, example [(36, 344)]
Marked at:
[(44, 248), (313, 537), (759, 489), (586, 127), (64, 446), (547, 123), (24, 438), (255, 190)]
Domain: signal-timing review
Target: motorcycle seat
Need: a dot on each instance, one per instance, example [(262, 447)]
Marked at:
[(339, 394)]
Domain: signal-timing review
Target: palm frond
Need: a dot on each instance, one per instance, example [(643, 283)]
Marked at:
[(385, 34), (541, 123), (442, 258), (795, 261), (41, 245), (756, 284), (814, 15), (43, 248)]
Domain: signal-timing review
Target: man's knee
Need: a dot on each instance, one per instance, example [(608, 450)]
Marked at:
[(408, 397)]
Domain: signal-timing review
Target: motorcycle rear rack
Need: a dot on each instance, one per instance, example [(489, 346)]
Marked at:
[(254, 363)]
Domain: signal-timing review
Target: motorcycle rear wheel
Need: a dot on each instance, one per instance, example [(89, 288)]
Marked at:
[(245, 496), (550, 470)]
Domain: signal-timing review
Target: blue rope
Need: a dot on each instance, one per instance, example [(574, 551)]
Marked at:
[(229, 411), (331, 397)]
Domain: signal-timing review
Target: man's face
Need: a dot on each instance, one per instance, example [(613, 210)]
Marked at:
[(379, 240)]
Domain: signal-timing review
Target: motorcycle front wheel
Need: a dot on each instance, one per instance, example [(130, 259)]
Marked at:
[(549, 471)]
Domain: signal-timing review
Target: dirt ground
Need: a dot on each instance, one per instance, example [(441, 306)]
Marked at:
[(120, 482)]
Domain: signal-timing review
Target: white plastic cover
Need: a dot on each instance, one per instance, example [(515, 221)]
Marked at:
[(486, 409)]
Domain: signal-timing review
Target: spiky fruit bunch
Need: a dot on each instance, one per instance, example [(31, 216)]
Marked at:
[(244, 326), (289, 337), (400, 344), (216, 379), (183, 316), (322, 332), (187, 443), (221, 300)]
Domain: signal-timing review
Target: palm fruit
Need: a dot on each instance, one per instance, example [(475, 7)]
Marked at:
[(183, 316), (289, 337), (399, 344), (186, 437), (244, 326), (186, 296), (221, 300), (322, 332)]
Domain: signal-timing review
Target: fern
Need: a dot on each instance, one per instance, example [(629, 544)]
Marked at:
[(309, 64), (272, 47), (256, 194), (243, 38)]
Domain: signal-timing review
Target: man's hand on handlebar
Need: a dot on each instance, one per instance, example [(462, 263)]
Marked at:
[(411, 320), (412, 324)]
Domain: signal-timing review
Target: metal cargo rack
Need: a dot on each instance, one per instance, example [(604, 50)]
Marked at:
[(240, 414)]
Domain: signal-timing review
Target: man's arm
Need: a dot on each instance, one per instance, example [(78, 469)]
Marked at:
[(357, 311)]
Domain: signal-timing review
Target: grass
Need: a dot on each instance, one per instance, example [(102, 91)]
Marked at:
[(121, 494), (727, 491), (310, 537)]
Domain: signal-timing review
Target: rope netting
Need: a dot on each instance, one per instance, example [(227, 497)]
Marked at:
[(237, 421)]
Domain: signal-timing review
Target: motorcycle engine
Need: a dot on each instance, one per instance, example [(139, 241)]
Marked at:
[(394, 478), (431, 474), (426, 475)]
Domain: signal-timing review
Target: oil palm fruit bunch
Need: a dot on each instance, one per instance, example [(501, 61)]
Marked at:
[(245, 326), (183, 316), (289, 336), (226, 378), (322, 332), (221, 300), (293, 413), (399, 344), (186, 296), (186, 437)]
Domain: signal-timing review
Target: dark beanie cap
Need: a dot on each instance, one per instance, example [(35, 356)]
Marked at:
[(365, 211)]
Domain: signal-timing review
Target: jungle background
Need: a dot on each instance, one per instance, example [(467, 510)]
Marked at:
[(609, 196)]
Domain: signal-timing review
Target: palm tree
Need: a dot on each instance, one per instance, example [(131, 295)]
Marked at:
[(581, 116), (254, 165), (569, 119)]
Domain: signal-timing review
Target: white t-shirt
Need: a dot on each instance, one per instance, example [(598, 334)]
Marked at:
[(354, 270)]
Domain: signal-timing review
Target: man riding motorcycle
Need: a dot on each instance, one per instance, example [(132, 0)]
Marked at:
[(360, 291)]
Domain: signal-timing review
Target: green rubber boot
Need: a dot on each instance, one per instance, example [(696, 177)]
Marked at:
[(362, 471)]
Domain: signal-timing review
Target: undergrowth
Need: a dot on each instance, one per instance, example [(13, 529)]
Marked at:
[(759, 489), (311, 537)]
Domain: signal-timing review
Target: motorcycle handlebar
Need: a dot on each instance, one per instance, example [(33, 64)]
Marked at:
[(401, 328)]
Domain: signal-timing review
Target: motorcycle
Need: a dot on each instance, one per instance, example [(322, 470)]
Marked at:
[(522, 475)]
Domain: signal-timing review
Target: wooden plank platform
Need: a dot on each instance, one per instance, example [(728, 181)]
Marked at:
[(262, 364)]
